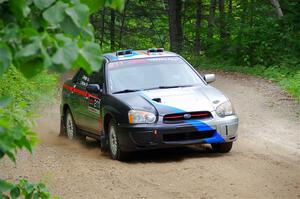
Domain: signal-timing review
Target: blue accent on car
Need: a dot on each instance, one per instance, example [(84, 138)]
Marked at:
[(216, 138), (115, 57), (132, 54)]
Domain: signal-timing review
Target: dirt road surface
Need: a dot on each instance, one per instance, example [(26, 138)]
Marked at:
[(264, 163)]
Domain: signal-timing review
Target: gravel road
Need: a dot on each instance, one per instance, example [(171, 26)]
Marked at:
[(264, 162)]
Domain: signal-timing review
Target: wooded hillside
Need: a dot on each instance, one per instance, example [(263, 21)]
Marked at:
[(261, 34)]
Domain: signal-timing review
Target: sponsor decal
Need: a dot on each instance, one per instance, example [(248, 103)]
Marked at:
[(94, 104)]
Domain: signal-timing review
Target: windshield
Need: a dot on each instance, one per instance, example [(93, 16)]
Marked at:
[(150, 73)]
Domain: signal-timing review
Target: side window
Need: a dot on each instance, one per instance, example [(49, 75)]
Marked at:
[(94, 78), (97, 77)]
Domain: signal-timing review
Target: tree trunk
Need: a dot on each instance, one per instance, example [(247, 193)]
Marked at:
[(112, 29), (122, 23), (102, 25), (223, 33), (211, 19), (230, 7), (277, 7), (198, 26), (175, 26)]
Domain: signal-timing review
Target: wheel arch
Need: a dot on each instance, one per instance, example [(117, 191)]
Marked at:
[(107, 118), (64, 109)]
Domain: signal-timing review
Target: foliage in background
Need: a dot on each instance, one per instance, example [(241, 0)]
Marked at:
[(287, 77), (17, 110), (39, 35), (247, 34)]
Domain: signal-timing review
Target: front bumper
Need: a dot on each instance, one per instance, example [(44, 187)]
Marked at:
[(149, 136)]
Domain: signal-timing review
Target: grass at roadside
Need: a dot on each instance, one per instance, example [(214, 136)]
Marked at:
[(287, 75), (26, 95)]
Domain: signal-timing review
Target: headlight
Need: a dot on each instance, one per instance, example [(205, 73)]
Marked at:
[(140, 117), (225, 109)]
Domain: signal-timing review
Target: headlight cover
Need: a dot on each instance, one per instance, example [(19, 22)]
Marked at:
[(140, 117), (225, 109)]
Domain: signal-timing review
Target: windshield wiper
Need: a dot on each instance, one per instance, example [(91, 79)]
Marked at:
[(126, 91), (165, 87)]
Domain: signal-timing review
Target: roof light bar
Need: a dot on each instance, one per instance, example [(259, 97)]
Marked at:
[(124, 52), (155, 50)]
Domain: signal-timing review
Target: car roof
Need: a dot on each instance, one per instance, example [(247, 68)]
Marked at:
[(136, 54)]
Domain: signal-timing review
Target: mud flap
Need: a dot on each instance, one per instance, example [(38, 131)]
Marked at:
[(104, 142), (62, 131)]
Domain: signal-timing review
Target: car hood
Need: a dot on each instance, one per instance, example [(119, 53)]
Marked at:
[(174, 100)]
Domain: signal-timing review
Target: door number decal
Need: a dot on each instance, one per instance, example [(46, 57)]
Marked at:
[(94, 104)]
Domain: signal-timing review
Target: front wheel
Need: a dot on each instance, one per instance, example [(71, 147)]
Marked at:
[(222, 147), (114, 147)]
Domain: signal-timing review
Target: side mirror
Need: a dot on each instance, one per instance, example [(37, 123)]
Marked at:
[(93, 88), (209, 78)]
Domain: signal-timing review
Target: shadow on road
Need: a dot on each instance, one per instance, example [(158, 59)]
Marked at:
[(160, 155), (173, 154)]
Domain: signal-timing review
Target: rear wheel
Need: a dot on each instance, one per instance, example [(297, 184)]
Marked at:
[(70, 126), (114, 147), (222, 147)]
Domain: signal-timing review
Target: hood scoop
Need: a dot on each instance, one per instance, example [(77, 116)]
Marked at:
[(157, 99)]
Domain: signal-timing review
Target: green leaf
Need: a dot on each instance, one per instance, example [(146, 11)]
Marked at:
[(47, 60), (15, 192), (5, 186), (66, 55), (1, 1), (64, 39), (11, 156), (31, 67), (35, 195), (56, 13), (94, 5), (26, 144), (42, 4), (79, 14), (19, 8), (4, 101), (90, 56), (5, 58), (29, 50), (116, 4), (11, 33), (69, 27), (1, 153), (88, 33)]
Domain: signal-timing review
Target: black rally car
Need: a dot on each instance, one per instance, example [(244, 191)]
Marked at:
[(147, 99)]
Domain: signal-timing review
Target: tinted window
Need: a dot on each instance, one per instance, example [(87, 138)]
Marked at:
[(97, 77), (150, 73)]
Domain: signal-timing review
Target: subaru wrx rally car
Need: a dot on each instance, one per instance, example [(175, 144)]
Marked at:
[(144, 100)]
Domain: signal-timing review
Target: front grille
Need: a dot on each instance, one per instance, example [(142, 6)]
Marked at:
[(180, 117), (196, 135)]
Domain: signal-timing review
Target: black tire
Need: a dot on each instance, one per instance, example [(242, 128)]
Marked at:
[(69, 124), (104, 143), (113, 144), (222, 147)]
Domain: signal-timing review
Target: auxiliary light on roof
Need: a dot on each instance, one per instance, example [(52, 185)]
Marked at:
[(155, 50), (124, 52)]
